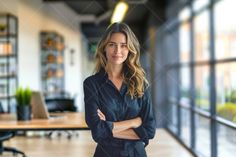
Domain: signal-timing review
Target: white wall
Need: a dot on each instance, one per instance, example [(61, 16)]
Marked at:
[(35, 16), (88, 65)]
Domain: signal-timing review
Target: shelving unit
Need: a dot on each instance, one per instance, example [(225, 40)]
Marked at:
[(8, 60), (52, 63)]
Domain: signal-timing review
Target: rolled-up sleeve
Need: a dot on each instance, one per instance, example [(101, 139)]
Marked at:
[(100, 129), (148, 128)]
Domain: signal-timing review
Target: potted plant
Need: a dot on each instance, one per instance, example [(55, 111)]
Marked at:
[(23, 97), (2, 27)]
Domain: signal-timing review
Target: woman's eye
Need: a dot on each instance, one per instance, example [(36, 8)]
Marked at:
[(124, 46), (111, 44)]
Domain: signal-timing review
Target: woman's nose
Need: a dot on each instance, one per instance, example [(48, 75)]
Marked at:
[(117, 49)]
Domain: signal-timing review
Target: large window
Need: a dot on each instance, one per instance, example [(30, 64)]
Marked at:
[(185, 85), (225, 41), (172, 121), (203, 115), (201, 36), (184, 42), (226, 141), (202, 82), (185, 126), (172, 87), (226, 90), (202, 136), (225, 29), (199, 4)]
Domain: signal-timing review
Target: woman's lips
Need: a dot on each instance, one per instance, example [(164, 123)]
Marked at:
[(116, 56)]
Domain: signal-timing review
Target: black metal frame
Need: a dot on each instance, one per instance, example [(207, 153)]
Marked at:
[(212, 91), (9, 16)]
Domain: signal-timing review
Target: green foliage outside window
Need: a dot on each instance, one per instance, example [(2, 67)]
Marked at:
[(227, 111), (231, 97), (201, 93), (234, 120), (202, 103), (202, 99)]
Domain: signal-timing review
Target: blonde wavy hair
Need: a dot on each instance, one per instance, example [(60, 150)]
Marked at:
[(133, 73)]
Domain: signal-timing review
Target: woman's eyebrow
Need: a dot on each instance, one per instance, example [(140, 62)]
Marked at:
[(116, 43)]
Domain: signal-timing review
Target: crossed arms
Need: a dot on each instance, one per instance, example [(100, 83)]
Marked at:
[(139, 128), (123, 129)]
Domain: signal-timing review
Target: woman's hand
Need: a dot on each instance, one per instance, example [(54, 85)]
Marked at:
[(101, 115), (136, 122)]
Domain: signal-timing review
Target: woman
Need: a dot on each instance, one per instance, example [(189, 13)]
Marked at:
[(118, 107)]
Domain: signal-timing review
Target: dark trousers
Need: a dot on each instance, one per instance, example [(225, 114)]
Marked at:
[(136, 150)]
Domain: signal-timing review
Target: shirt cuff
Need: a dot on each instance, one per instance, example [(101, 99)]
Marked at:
[(110, 127), (140, 131)]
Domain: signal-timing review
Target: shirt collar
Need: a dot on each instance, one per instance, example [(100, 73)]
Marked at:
[(103, 75)]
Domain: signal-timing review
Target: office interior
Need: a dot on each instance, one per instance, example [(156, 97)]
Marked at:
[(188, 51)]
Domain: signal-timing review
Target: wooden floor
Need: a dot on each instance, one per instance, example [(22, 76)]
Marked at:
[(163, 145)]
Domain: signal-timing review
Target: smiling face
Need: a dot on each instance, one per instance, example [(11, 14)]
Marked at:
[(116, 49)]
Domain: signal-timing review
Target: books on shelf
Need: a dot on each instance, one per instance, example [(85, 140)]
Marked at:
[(51, 58), (7, 69), (52, 62), (5, 48), (8, 60)]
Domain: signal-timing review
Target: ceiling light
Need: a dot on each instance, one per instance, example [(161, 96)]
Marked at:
[(119, 12)]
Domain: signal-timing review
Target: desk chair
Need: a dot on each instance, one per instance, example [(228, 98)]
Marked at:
[(6, 135), (61, 105)]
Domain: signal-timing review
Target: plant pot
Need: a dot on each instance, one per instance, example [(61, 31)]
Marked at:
[(24, 112)]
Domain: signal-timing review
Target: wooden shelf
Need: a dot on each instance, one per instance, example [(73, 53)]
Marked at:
[(11, 35), (7, 55), (8, 59), (7, 76), (7, 97), (52, 62)]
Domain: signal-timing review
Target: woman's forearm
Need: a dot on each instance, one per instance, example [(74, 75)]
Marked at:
[(126, 134), (123, 125), (126, 124)]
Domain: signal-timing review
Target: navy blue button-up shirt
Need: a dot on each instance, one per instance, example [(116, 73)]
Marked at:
[(101, 93)]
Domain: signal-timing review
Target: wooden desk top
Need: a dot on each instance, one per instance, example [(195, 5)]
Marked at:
[(67, 121)]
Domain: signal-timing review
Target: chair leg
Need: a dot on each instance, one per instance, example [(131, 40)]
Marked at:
[(50, 134), (68, 133), (15, 151), (1, 148)]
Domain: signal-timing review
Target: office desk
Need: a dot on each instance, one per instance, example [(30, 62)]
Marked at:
[(67, 121)]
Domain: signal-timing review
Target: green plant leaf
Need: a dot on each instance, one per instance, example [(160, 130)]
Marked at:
[(23, 96)]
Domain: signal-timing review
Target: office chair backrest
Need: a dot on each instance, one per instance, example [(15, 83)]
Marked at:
[(60, 105)]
